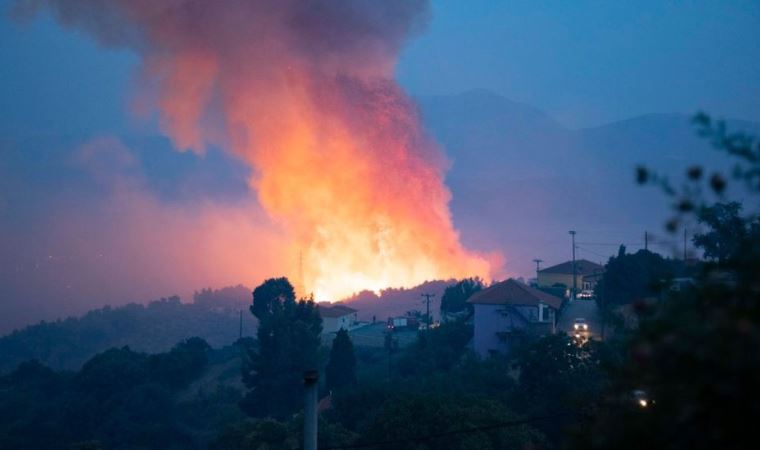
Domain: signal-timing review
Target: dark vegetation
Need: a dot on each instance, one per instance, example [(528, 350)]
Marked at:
[(454, 299), (288, 341), (156, 327), (684, 377), (695, 354), (120, 399), (340, 372), (636, 276)]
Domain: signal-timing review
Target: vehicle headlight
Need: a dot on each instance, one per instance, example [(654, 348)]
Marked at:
[(585, 327), (575, 327)]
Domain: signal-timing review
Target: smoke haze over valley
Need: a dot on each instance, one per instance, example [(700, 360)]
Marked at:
[(97, 206), (513, 196)]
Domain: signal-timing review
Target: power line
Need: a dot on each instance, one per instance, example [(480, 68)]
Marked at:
[(513, 423), (631, 244), (593, 253), (611, 244)]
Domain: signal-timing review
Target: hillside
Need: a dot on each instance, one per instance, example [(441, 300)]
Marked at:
[(124, 399), (157, 326), (397, 301), (152, 328)]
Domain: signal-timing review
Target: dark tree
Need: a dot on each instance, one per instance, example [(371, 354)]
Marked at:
[(341, 368), (120, 399), (636, 276), (557, 374), (185, 362), (437, 350), (262, 434), (455, 297), (728, 231), (693, 359), (405, 419), (288, 340), (270, 296)]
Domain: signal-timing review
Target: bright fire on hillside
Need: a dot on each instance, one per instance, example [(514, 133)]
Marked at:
[(303, 92)]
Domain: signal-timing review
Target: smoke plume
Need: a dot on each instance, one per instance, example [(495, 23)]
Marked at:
[(303, 92)]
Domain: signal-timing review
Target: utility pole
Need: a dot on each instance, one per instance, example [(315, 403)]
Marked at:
[(241, 325), (646, 241), (427, 302), (538, 267), (575, 283)]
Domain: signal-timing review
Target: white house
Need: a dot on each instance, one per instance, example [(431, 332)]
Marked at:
[(506, 311), (335, 317)]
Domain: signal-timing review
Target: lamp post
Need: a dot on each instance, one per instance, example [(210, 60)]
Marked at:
[(310, 379), (575, 284)]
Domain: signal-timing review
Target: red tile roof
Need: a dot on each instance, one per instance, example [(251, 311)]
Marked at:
[(512, 292), (582, 267)]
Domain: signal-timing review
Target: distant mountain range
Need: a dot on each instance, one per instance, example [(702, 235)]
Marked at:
[(521, 181)]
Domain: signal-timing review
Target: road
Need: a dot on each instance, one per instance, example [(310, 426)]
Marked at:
[(585, 309)]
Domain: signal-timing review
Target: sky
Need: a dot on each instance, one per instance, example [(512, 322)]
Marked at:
[(82, 162), (590, 62), (584, 63)]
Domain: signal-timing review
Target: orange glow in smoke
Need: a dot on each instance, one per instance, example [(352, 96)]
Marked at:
[(306, 97), (365, 205)]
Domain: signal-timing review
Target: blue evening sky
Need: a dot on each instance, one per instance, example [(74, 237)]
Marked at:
[(589, 62), (583, 62)]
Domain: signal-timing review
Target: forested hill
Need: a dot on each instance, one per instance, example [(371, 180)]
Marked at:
[(123, 399), (152, 328)]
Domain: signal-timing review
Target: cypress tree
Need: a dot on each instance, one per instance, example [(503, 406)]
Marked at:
[(341, 368)]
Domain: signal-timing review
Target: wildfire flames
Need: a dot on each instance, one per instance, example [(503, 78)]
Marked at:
[(303, 92)]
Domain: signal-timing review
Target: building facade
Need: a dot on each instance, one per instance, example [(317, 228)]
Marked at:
[(335, 317), (506, 312), (587, 274)]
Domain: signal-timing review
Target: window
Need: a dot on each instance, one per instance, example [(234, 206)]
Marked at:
[(543, 313)]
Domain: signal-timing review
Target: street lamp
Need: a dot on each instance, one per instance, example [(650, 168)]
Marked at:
[(575, 284)]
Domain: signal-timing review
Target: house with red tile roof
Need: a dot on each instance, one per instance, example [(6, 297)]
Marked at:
[(507, 311)]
